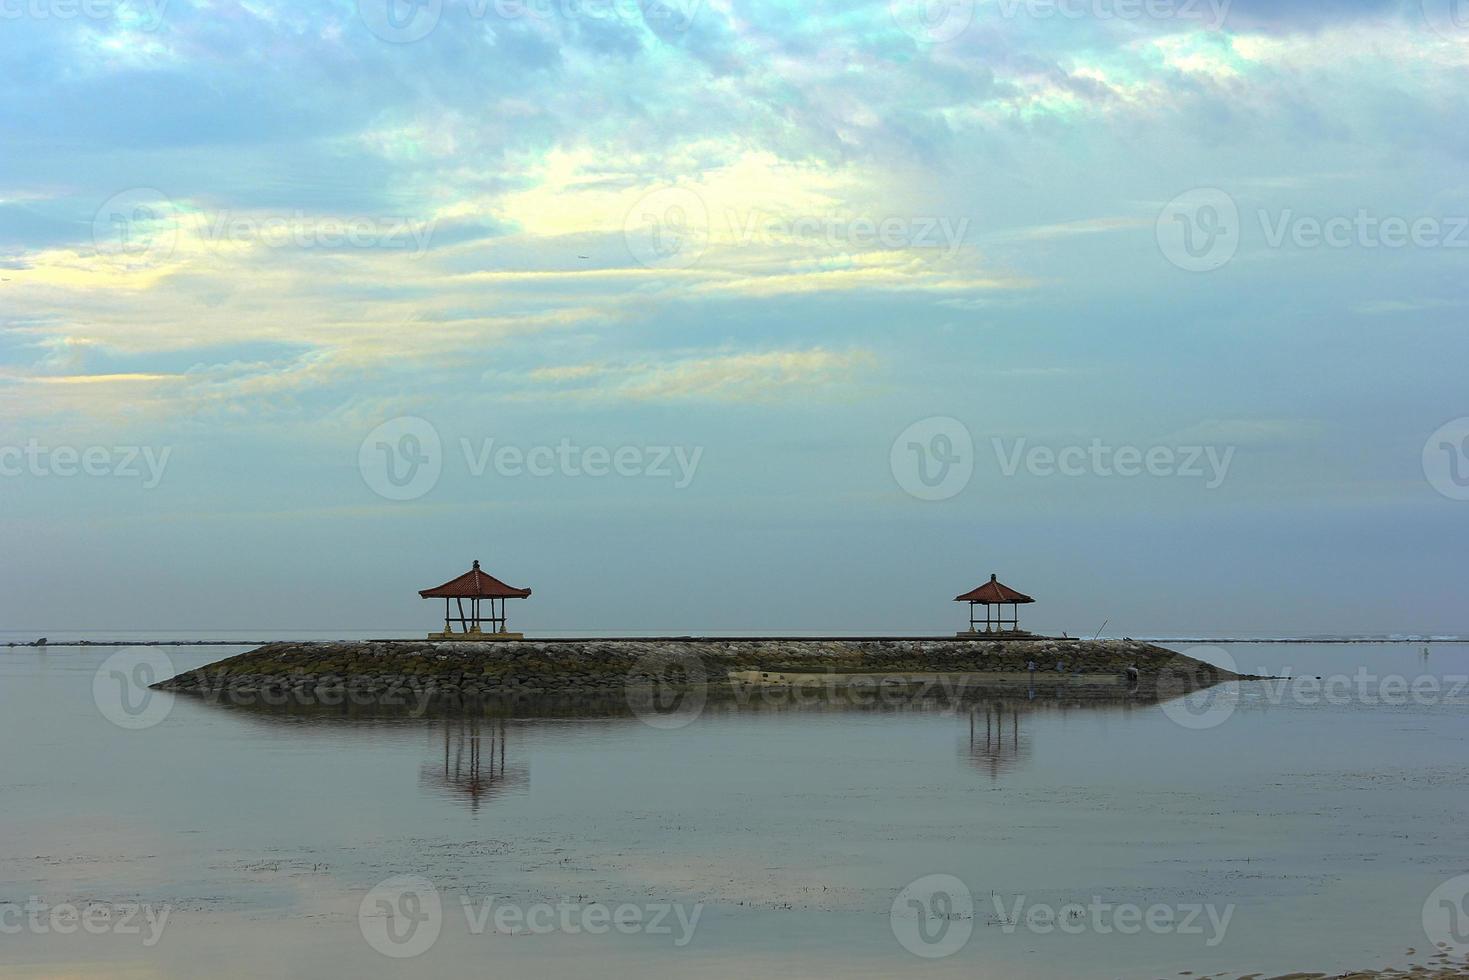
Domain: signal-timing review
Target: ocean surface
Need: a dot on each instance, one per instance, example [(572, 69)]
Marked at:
[(1265, 826)]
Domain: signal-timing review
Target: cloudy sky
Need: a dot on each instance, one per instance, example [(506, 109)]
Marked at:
[(734, 314)]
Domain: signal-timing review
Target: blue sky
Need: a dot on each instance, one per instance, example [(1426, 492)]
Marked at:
[(824, 254)]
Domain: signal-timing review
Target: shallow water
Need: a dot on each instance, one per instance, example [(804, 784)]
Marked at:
[(1317, 821)]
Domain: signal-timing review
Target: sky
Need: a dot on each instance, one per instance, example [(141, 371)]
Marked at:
[(716, 315)]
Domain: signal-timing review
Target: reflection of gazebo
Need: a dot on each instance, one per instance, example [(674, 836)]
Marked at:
[(996, 750), (994, 593), (475, 586), (471, 768)]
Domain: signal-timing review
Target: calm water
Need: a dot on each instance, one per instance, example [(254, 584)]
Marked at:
[(1319, 824)]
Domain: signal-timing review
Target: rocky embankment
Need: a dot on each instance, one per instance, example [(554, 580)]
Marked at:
[(358, 670)]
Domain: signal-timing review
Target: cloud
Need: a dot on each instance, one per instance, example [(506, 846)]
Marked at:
[(720, 377)]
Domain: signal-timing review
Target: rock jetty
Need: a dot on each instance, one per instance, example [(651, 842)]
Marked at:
[(613, 668)]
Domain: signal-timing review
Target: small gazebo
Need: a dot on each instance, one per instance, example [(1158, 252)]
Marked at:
[(475, 586), (994, 593)]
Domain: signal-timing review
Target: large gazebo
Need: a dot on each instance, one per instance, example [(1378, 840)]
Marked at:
[(475, 586), (994, 593)]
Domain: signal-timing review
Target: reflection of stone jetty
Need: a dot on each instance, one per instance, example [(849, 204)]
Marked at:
[(609, 667)]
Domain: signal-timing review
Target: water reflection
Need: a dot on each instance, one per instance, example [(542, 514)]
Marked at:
[(995, 743), (473, 765)]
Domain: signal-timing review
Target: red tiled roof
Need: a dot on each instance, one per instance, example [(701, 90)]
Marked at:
[(992, 593), (475, 584)]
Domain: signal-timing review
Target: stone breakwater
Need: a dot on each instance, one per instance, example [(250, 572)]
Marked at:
[(615, 669)]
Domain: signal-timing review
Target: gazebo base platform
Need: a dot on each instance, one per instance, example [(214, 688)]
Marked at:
[(995, 635), (476, 636)]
